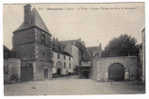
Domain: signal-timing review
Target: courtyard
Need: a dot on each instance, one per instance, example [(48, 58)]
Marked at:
[(72, 86)]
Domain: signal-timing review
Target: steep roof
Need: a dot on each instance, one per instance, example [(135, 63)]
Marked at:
[(63, 52), (36, 20), (91, 50)]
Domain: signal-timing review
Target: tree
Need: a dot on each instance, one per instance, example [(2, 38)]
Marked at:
[(83, 50), (124, 45)]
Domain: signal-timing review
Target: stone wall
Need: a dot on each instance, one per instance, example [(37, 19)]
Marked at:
[(23, 37), (39, 68), (23, 43), (36, 70), (12, 67), (101, 66)]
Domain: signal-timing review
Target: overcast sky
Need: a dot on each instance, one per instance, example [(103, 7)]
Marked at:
[(93, 23)]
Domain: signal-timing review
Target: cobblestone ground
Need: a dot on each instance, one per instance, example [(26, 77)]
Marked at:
[(64, 86)]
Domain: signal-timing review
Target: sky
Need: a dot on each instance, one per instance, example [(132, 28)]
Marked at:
[(92, 23)]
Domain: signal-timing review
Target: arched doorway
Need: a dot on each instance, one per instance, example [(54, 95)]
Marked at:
[(59, 66), (116, 72), (59, 71)]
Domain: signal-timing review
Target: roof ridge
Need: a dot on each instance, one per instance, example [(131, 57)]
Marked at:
[(36, 20)]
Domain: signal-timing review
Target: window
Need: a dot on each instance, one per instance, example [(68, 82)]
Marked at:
[(69, 58), (64, 57), (43, 53), (69, 65), (43, 39), (64, 65), (58, 56)]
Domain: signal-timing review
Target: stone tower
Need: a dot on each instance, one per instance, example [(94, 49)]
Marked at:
[(32, 43)]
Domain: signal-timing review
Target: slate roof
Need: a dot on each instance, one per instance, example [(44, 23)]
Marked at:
[(36, 20), (92, 49), (63, 52)]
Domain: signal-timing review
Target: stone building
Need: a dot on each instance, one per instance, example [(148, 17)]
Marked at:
[(85, 67), (32, 43), (71, 48), (62, 63), (95, 51)]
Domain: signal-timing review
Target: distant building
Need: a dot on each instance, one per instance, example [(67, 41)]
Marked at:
[(84, 70), (95, 51), (71, 48), (32, 43), (85, 67)]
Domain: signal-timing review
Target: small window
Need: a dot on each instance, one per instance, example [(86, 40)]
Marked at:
[(43, 39), (97, 54), (43, 54), (64, 65), (58, 56), (69, 58), (69, 65), (64, 57)]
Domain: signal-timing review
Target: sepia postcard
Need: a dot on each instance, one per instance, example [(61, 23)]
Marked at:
[(74, 48)]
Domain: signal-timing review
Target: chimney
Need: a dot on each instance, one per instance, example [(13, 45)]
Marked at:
[(27, 14)]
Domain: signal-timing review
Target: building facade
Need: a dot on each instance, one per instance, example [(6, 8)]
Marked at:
[(32, 43), (71, 48), (62, 63)]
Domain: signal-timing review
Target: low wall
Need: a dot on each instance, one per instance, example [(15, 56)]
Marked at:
[(12, 67)]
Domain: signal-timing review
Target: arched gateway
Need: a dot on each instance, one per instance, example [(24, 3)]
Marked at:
[(116, 72), (114, 68)]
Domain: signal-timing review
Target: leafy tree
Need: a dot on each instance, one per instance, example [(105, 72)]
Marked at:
[(124, 45)]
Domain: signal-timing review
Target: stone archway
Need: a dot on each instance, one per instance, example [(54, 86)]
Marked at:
[(116, 72)]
